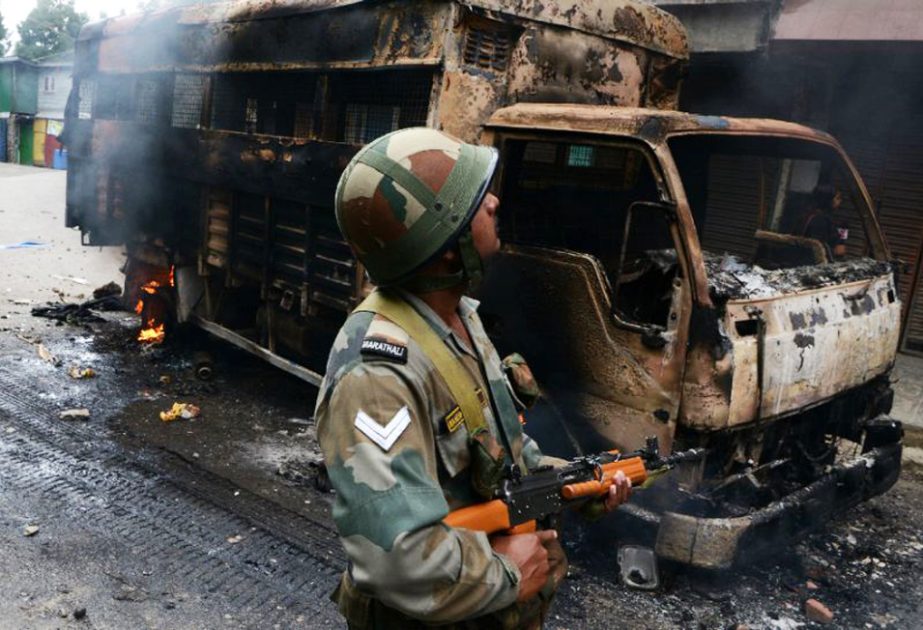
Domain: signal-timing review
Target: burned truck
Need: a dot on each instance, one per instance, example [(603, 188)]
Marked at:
[(650, 275)]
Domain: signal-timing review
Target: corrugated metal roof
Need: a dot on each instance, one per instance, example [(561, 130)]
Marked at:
[(850, 20)]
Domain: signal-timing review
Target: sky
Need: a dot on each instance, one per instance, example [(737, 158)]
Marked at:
[(15, 11)]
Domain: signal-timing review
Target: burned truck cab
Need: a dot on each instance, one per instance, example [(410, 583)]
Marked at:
[(658, 275)]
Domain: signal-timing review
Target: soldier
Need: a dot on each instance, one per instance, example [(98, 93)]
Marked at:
[(415, 415)]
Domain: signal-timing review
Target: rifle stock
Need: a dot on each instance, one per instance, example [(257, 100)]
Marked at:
[(490, 517)]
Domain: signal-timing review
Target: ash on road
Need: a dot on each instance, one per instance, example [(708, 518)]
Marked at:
[(214, 522)]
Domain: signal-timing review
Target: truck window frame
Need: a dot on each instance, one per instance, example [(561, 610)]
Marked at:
[(502, 136)]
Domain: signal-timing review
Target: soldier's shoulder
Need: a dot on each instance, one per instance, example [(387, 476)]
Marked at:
[(385, 341), (366, 338), (345, 351)]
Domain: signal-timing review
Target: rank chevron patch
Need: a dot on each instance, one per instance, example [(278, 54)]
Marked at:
[(383, 436)]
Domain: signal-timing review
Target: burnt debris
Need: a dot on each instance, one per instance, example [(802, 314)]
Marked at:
[(77, 314)]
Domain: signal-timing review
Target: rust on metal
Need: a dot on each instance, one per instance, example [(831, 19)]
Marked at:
[(241, 117), (637, 23)]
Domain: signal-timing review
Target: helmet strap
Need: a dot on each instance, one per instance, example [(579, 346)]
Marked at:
[(472, 270), (472, 265)]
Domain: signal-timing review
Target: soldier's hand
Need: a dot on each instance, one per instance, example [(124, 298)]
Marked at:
[(527, 551), (619, 491)]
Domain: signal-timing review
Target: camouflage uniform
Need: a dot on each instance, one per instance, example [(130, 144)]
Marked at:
[(400, 461), (396, 442)]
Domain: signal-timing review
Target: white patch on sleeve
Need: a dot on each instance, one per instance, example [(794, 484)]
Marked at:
[(383, 436)]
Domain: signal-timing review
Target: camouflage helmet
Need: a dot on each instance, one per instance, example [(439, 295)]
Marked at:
[(408, 196)]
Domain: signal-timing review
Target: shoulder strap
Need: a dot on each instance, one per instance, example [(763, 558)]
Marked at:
[(449, 368)]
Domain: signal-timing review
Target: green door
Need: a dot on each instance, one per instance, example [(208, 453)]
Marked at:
[(26, 141)]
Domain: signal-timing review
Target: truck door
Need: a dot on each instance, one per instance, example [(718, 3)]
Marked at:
[(590, 290)]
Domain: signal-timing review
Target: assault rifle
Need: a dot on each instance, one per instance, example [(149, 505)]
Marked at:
[(544, 493)]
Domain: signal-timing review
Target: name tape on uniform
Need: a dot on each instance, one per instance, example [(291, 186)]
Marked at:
[(381, 348), (384, 436), (454, 419)]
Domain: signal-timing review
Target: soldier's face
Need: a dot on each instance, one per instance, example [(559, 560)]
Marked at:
[(484, 227)]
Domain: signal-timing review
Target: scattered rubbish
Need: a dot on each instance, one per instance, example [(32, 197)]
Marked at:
[(638, 567), (80, 613), (23, 245), (235, 539), (30, 530), (46, 355), (129, 593), (78, 372), (165, 379), (110, 289), (817, 612), (306, 473), (71, 278), (75, 414), (22, 302), (710, 592), (811, 585), (180, 411), (79, 313), (203, 365), (816, 572), (783, 623)]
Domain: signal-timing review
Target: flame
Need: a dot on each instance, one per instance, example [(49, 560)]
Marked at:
[(149, 288), (153, 333)]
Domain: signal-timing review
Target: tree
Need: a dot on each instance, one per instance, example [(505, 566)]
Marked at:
[(51, 27), (3, 35)]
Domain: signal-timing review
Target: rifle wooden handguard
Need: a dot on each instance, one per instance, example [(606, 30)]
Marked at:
[(633, 467)]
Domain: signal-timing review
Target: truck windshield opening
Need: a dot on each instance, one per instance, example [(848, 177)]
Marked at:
[(772, 202)]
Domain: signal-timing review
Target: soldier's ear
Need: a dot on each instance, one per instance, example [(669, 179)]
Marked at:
[(446, 263), (452, 256)]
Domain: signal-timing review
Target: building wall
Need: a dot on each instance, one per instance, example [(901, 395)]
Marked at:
[(6, 86), (717, 26), (873, 107), (54, 84), (25, 89)]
